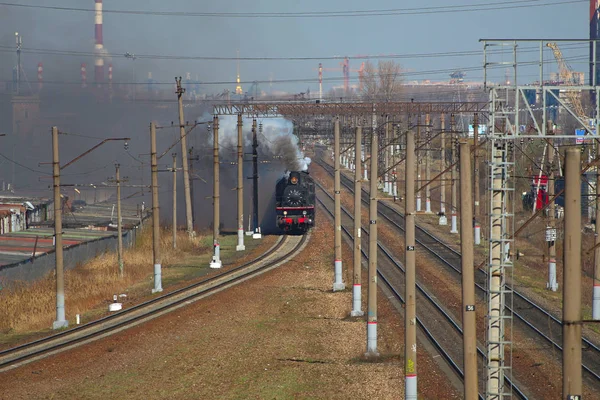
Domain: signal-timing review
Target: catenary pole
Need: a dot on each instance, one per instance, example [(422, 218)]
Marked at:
[(372, 288), (174, 200), (468, 276), (184, 162), (571, 321), (155, 212), (119, 224), (60, 321), (551, 229), (596, 289), (453, 209), (419, 164), (357, 287), (443, 219), (428, 162), (410, 315), (338, 283), (257, 233), (216, 260), (240, 186)]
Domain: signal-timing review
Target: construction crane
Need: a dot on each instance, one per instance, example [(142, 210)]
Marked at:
[(345, 68), (567, 78)]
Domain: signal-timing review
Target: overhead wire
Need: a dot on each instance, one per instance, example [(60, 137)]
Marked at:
[(473, 7)]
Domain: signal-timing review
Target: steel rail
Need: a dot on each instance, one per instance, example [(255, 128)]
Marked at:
[(587, 343), (147, 310), (430, 298)]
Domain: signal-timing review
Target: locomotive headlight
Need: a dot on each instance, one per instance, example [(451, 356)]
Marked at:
[(304, 212), (285, 213)]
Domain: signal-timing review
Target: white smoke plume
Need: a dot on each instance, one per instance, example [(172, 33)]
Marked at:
[(277, 140)]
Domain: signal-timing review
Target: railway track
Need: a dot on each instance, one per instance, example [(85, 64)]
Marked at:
[(527, 313), (438, 325), (285, 249)]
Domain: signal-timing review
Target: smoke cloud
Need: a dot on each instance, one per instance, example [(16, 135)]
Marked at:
[(277, 140)]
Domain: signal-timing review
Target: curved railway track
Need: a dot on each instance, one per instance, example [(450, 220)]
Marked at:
[(532, 316), (431, 314), (285, 249)]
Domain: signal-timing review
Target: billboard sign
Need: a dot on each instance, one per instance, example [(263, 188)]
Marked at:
[(480, 131), (580, 133)]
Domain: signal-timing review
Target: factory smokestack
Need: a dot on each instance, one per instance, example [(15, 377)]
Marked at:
[(83, 75), (99, 48), (40, 76)]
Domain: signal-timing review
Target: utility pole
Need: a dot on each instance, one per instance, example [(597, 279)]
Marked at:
[(60, 321), (356, 289), (475, 165), (453, 210), (155, 212), (191, 160), (387, 152), (476, 225), (372, 290), (443, 220), (418, 164), (468, 276), (186, 176), (240, 187), (410, 312), (596, 292), (216, 260), (572, 375), (256, 234), (19, 41), (338, 284), (551, 229), (119, 225), (174, 200), (427, 163)]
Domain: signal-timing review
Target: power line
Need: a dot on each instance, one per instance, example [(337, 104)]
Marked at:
[(464, 53), (502, 5)]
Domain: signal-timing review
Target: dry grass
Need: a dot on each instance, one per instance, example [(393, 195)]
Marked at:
[(26, 307)]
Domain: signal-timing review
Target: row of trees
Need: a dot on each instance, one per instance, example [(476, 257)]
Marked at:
[(381, 82)]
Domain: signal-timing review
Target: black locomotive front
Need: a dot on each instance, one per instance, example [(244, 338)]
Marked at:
[(295, 202)]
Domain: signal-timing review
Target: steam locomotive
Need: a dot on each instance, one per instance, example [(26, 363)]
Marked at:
[(295, 202)]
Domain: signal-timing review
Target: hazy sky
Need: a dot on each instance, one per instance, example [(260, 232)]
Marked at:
[(452, 30)]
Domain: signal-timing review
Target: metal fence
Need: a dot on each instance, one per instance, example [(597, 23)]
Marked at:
[(31, 269)]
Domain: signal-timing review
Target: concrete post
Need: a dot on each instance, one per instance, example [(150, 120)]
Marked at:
[(357, 287), (410, 317), (476, 225), (453, 209), (419, 181), (468, 276), (372, 291), (155, 213), (428, 163), (338, 283), (552, 283), (60, 321), (184, 161), (443, 165), (119, 223), (257, 234), (596, 290), (216, 260), (572, 373), (240, 186), (174, 200)]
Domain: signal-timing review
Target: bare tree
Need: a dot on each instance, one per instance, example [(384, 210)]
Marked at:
[(384, 82)]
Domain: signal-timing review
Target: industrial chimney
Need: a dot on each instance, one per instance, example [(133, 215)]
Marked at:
[(99, 48)]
